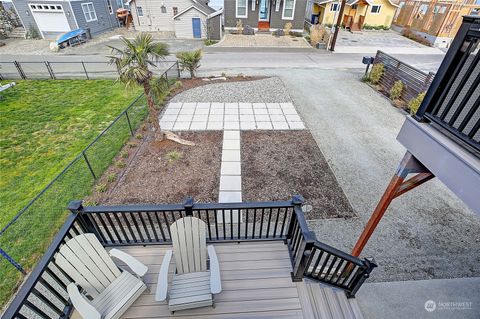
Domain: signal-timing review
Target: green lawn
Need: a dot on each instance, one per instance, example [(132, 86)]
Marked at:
[(43, 126)]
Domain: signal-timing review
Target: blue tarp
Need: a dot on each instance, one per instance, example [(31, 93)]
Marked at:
[(69, 35)]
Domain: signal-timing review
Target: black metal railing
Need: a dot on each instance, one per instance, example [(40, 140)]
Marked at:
[(316, 260), (150, 224), (44, 293), (452, 101)]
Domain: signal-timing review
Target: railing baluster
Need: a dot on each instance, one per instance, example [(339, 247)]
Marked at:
[(140, 215), (254, 222), (223, 224), (216, 223), (135, 223), (168, 225), (327, 274), (269, 221), (114, 228), (105, 228), (47, 301), (324, 264), (160, 226), (276, 223), (209, 226), (239, 221), (231, 223), (261, 223), (154, 231)]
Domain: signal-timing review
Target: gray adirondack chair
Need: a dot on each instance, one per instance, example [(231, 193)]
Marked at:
[(110, 290), (192, 285)]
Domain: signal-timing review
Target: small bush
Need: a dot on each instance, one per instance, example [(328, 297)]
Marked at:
[(111, 177), (101, 188), (178, 85), (120, 164), (414, 103), (139, 136), (174, 156), (89, 203), (224, 74), (132, 145), (239, 26), (32, 33), (190, 60), (376, 73), (208, 42), (287, 27), (396, 90)]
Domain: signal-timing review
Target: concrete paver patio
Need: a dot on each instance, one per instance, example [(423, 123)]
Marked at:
[(230, 116)]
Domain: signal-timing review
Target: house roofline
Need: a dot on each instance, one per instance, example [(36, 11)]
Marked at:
[(188, 9)]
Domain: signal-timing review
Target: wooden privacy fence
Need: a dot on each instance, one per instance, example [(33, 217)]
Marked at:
[(414, 80)]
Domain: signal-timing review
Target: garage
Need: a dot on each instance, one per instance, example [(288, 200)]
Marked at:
[(191, 22), (50, 19)]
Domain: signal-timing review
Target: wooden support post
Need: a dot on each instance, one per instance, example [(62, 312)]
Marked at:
[(395, 188)]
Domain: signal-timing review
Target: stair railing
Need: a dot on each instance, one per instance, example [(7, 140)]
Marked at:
[(320, 262)]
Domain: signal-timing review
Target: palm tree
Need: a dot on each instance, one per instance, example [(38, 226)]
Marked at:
[(133, 64)]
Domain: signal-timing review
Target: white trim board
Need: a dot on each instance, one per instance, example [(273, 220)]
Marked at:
[(293, 10)]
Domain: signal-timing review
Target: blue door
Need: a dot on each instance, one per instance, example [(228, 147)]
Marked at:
[(197, 31)]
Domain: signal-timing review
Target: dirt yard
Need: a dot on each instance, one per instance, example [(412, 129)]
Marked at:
[(167, 172), (279, 164)]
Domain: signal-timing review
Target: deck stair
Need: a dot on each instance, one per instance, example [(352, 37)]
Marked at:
[(320, 301)]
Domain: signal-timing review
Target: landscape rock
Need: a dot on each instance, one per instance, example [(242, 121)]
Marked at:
[(278, 33), (248, 30)]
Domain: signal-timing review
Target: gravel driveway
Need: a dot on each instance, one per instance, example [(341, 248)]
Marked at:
[(269, 90)]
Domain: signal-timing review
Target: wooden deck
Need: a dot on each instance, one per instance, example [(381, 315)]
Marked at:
[(255, 280)]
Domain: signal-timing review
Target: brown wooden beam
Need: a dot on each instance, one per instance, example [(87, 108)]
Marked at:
[(395, 188)]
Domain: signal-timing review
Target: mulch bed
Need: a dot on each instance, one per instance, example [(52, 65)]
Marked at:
[(154, 177), (279, 164)]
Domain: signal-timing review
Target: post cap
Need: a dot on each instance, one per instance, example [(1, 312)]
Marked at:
[(75, 205), (297, 200), (188, 202)]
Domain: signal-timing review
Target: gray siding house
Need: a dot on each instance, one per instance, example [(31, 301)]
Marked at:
[(180, 18), (52, 18), (265, 14)]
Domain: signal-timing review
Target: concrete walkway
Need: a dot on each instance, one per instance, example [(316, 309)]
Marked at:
[(421, 299)]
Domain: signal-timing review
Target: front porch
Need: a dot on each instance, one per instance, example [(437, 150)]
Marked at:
[(271, 265), (354, 14)]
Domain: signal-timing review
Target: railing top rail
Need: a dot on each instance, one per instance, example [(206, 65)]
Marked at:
[(336, 252), (181, 207), (105, 62)]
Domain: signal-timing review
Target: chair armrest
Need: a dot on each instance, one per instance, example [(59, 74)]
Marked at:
[(84, 308), (162, 284), (133, 263), (215, 281)]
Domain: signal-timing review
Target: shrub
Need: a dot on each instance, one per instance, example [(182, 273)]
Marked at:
[(111, 177), (124, 154), (396, 90), (174, 156), (287, 27), (208, 42), (414, 103), (139, 136), (32, 33), (316, 34), (101, 188), (120, 164), (376, 73), (190, 60), (239, 26)]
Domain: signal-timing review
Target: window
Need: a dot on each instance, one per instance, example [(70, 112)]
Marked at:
[(443, 9), (288, 9), (354, 6), (46, 8), (175, 11), (164, 9), (423, 9), (109, 6), (119, 3), (241, 9), (89, 12), (140, 11), (375, 8), (334, 7), (277, 5), (253, 5)]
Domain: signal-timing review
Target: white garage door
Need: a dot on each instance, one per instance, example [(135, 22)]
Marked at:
[(51, 19)]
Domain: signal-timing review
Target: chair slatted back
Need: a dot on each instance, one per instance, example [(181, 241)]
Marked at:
[(85, 260), (189, 245)]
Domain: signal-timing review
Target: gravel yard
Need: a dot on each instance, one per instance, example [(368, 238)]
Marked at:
[(260, 91)]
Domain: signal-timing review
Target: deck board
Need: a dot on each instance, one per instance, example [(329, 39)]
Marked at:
[(255, 280)]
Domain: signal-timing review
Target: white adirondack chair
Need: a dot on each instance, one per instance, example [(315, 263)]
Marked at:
[(193, 284), (111, 291)]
